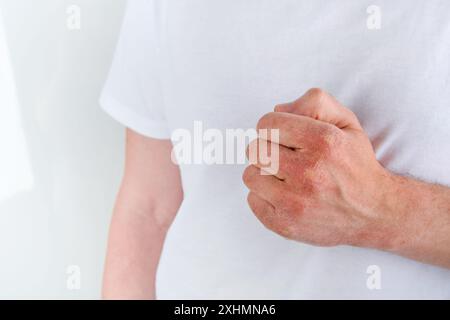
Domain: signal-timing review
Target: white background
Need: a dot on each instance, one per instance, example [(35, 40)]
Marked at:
[(60, 156)]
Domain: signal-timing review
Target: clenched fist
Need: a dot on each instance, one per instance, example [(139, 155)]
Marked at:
[(329, 188)]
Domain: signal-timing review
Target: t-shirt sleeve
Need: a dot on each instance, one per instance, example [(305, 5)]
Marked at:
[(133, 92)]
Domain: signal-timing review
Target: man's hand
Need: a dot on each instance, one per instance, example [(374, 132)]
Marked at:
[(330, 189)]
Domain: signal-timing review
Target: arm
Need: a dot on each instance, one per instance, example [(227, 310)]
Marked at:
[(148, 200), (422, 218), (330, 189)]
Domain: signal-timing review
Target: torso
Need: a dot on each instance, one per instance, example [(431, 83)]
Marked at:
[(227, 63)]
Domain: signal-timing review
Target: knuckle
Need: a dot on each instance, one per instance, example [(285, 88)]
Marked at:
[(290, 225), (267, 121), (285, 232), (250, 196), (279, 107), (316, 94), (271, 226), (248, 176), (252, 151), (274, 223), (251, 200), (318, 112), (328, 138), (261, 210)]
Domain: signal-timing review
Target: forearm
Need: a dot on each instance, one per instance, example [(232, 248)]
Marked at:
[(420, 216), (149, 198), (134, 248)]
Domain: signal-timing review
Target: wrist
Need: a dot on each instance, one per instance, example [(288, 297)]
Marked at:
[(402, 213), (389, 215)]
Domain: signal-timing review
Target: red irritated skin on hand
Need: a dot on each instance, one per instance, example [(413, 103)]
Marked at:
[(330, 189)]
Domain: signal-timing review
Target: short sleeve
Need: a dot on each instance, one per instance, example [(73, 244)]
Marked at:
[(133, 92)]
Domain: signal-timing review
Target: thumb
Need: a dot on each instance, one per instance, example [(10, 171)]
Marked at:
[(319, 105)]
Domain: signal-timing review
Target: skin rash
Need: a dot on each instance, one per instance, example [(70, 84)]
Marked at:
[(330, 189)]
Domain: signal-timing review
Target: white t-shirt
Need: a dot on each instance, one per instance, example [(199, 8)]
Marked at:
[(226, 63)]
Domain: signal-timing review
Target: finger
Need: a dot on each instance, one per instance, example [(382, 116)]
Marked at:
[(272, 158), (265, 155), (294, 131), (259, 206), (320, 105), (267, 187), (266, 213), (284, 107)]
